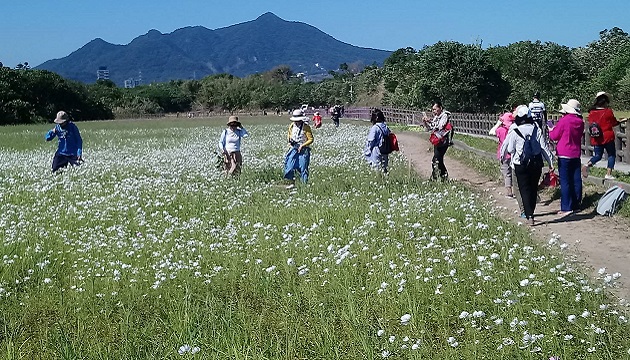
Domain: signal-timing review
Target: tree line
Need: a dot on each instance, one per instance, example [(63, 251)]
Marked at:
[(465, 77)]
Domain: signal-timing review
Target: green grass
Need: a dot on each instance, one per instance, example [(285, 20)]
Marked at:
[(146, 251)]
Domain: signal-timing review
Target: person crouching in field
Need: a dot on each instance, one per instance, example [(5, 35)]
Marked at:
[(298, 157), (70, 144), (378, 133), (527, 147), (230, 144)]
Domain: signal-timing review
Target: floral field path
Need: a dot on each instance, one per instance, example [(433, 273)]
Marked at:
[(597, 242)]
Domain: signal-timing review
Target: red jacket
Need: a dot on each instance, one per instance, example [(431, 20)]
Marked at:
[(606, 121)]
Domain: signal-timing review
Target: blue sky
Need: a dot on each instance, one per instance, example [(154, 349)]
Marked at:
[(40, 30)]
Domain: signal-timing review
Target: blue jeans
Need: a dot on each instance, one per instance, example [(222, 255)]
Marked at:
[(297, 161), (570, 184), (598, 152)]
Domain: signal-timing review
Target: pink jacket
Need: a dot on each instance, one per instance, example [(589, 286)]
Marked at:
[(501, 134), (568, 135)]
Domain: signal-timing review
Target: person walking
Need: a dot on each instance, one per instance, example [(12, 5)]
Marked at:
[(568, 134), (601, 121), (377, 134), (70, 143), (527, 148), (300, 137), (507, 119), (230, 145), (440, 123), (317, 120)]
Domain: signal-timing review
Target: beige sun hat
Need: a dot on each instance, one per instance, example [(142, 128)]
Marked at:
[(571, 107), (233, 119), (298, 115), (61, 118)]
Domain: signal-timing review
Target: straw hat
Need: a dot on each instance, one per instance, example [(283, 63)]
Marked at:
[(298, 115), (571, 107), (233, 120)]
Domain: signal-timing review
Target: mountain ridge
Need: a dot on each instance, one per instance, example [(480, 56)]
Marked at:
[(195, 51)]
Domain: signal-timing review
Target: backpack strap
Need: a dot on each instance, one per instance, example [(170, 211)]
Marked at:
[(519, 133)]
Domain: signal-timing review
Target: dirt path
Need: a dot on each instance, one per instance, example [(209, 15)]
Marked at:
[(596, 241)]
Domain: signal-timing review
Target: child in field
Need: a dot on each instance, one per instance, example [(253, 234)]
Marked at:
[(70, 144)]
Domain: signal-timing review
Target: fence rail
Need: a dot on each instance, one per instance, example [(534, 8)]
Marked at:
[(479, 125)]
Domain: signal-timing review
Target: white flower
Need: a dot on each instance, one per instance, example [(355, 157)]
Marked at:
[(524, 282), (183, 349), (195, 350), (405, 319), (586, 314), (464, 314), (571, 318), (47, 281), (385, 353), (290, 261), (415, 346), (380, 332)]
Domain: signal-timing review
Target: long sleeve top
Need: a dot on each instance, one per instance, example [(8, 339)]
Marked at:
[(300, 135), (375, 137), (439, 121), (568, 135), (231, 140), (514, 144), (70, 141)]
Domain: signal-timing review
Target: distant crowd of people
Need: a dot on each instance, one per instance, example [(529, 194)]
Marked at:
[(524, 133)]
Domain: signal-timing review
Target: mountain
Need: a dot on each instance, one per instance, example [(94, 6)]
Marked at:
[(195, 52)]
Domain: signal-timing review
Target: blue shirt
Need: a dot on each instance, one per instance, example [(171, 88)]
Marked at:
[(70, 142)]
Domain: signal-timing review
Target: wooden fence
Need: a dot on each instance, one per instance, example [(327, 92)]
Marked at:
[(479, 125)]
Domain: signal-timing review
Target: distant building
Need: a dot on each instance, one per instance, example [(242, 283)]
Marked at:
[(102, 73), (132, 83)]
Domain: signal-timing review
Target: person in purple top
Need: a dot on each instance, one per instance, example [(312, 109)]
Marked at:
[(568, 135), (70, 144)]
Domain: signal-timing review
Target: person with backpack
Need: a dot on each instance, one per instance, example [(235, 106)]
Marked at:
[(527, 149), (69, 144), (568, 137), (230, 146), (440, 124), (601, 122), (298, 157), (377, 145)]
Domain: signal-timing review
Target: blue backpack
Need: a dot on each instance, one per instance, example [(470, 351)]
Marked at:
[(610, 201)]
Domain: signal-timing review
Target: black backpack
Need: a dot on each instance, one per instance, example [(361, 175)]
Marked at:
[(385, 147), (594, 130)]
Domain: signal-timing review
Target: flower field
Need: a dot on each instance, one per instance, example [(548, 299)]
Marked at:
[(147, 252)]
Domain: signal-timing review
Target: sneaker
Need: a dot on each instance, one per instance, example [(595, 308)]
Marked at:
[(585, 171), (522, 216), (564, 213), (290, 186), (609, 177), (530, 222)]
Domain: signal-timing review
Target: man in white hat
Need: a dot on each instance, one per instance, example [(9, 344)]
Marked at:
[(298, 157), (70, 144)]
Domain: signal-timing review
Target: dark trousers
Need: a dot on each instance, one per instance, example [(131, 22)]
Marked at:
[(570, 184), (528, 177), (60, 161), (438, 159)]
